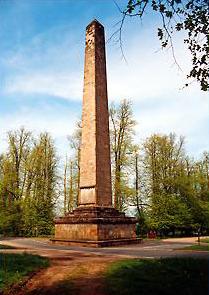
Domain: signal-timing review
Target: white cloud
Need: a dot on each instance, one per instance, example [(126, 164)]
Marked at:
[(149, 79), (148, 73), (185, 114), (50, 63), (58, 124), (55, 72), (155, 85), (66, 86)]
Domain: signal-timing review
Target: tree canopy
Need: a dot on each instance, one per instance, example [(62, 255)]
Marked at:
[(28, 184), (157, 180)]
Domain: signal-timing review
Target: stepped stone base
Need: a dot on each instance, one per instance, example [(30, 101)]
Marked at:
[(95, 226)]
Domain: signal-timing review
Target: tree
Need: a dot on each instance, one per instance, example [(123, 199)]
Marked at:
[(71, 184), (13, 178), (194, 190), (121, 140), (169, 213), (163, 156), (19, 142), (136, 196), (192, 17), (74, 168), (176, 187), (71, 199), (65, 185), (42, 181), (28, 184)]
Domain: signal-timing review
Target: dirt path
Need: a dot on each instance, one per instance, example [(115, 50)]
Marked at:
[(79, 271), (69, 274)]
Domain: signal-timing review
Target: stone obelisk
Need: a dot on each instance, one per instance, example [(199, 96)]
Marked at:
[(95, 222), (95, 172)]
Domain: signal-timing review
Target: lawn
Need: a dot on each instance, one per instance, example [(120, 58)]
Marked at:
[(14, 267), (170, 276), (197, 247), (204, 240)]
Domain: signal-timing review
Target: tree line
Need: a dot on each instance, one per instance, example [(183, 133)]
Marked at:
[(28, 184), (156, 180)]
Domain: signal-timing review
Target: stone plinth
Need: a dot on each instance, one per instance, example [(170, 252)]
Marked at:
[(95, 226)]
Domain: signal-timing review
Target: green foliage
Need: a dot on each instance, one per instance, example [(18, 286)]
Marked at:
[(10, 218), (28, 185), (171, 276), (169, 212), (72, 171), (175, 187), (14, 267), (121, 140), (169, 190)]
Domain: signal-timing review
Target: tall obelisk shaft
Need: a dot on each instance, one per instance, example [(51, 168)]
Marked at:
[(95, 171)]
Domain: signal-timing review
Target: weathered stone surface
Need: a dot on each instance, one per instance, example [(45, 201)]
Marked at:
[(95, 232), (95, 214), (105, 243), (95, 174), (76, 231), (95, 222)]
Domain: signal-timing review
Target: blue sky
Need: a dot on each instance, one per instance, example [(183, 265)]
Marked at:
[(41, 72)]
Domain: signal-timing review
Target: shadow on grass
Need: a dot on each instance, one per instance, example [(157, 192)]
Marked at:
[(65, 287), (179, 276), (72, 286), (14, 267)]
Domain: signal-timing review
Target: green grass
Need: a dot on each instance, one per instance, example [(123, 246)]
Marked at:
[(205, 240), (170, 276), (197, 247), (14, 267)]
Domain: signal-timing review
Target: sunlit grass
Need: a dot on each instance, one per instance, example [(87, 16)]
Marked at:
[(197, 247), (204, 240)]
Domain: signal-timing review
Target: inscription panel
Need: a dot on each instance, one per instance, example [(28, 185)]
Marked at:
[(87, 196)]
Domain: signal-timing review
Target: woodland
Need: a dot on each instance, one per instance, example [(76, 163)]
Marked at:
[(155, 180)]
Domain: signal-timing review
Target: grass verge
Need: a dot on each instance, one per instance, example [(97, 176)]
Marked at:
[(204, 240), (197, 247), (14, 267), (169, 276)]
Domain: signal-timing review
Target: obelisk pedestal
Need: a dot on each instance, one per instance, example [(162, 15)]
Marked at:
[(95, 222)]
